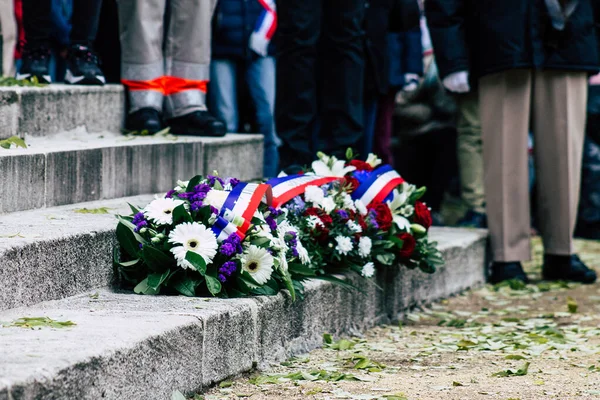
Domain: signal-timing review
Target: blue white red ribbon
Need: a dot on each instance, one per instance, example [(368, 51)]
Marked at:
[(378, 186), (265, 28), (239, 207), (288, 187)]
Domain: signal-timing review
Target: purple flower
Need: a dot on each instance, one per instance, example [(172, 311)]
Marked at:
[(275, 212), (343, 214), (198, 196), (212, 179), (196, 205), (232, 181), (295, 252), (235, 242), (272, 223), (139, 220), (214, 210), (226, 270), (185, 195), (141, 245), (202, 188), (228, 249), (222, 278), (170, 194)]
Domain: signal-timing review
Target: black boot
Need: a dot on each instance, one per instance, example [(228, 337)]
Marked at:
[(144, 119), (503, 271), (198, 123), (567, 268)]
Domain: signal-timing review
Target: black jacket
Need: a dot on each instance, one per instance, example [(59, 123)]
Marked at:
[(487, 36), (381, 17)]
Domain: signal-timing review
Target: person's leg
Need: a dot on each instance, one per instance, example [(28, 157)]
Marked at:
[(382, 142), (504, 102), (86, 14), (470, 152), (365, 145), (299, 29), (343, 74), (260, 76), (223, 92), (8, 27), (37, 23)]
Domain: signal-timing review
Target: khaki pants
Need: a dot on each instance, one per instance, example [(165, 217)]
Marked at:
[(8, 27), (470, 151), (555, 103), (149, 55)]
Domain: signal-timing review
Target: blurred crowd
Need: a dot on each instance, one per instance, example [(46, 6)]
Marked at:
[(483, 102)]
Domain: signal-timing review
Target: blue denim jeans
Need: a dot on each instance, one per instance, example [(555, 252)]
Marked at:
[(260, 77)]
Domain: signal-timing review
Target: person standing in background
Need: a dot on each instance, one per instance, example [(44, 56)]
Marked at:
[(82, 62), (165, 65), (532, 59), (242, 51), (320, 72), (8, 29)]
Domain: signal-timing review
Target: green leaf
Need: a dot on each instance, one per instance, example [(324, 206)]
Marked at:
[(509, 372), (514, 357), (129, 265), (184, 285), (195, 181), (289, 284), (177, 395), (13, 140), (299, 269), (572, 305), (157, 260), (143, 288), (39, 322), (327, 338), (350, 154), (127, 240), (213, 285), (157, 279), (197, 262), (134, 209), (99, 210), (226, 384), (180, 214)]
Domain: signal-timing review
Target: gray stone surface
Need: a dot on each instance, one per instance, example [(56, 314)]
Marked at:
[(32, 111), (78, 167), (141, 347)]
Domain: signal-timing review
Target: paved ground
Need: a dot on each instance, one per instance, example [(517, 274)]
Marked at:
[(540, 341)]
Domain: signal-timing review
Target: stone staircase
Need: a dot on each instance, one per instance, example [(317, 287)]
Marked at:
[(56, 262)]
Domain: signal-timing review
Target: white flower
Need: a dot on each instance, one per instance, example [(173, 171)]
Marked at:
[(373, 160), (407, 210), (258, 263), (182, 186), (216, 198), (364, 246), (302, 253), (353, 226), (344, 245), (328, 204), (331, 166), (161, 210), (314, 194), (362, 209), (402, 223), (194, 237), (398, 199), (312, 221), (348, 202), (282, 261), (368, 270)]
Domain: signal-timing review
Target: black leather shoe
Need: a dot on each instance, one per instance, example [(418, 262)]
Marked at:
[(473, 219), (503, 271), (198, 123), (567, 268), (144, 119)]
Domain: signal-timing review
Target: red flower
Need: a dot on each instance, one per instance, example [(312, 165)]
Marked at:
[(362, 222), (361, 165), (422, 215), (408, 245), (312, 211), (351, 182), (321, 234), (383, 215), (317, 212), (326, 219)]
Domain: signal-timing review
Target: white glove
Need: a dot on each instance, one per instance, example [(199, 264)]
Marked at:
[(457, 82)]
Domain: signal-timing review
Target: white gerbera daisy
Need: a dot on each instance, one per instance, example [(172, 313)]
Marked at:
[(344, 244), (314, 194), (364, 246), (161, 210), (194, 237), (353, 226), (216, 198), (368, 270), (328, 204), (258, 263), (362, 209)]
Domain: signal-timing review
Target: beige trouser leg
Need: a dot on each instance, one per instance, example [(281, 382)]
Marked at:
[(559, 115), (8, 27), (558, 100), (470, 151)]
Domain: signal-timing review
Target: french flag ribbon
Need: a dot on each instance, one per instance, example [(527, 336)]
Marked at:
[(239, 208), (265, 28), (223, 228), (288, 187), (378, 186)]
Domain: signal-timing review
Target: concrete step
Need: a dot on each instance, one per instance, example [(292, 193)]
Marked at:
[(41, 111), (126, 346), (77, 167)]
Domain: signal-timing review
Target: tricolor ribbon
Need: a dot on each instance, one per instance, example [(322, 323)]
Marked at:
[(288, 187), (265, 28), (239, 207), (378, 186)]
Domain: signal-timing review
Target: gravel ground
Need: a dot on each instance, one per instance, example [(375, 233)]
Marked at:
[(540, 341)]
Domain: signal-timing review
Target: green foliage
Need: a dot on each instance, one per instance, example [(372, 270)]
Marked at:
[(10, 81), (99, 210), (12, 141), (511, 372), (39, 322)]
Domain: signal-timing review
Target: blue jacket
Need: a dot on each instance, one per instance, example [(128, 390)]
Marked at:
[(233, 22)]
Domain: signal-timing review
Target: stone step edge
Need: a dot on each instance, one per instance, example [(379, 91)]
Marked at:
[(138, 347)]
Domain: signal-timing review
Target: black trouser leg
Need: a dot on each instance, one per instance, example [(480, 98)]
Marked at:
[(343, 74), (36, 22), (86, 14), (299, 27)]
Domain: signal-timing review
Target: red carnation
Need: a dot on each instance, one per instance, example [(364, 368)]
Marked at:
[(317, 212), (422, 215), (383, 215), (321, 234), (351, 182), (361, 165), (326, 219), (312, 211), (408, 245)]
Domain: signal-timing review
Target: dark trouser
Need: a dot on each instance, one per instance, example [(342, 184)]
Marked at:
[(319, 75), (37, 21)]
